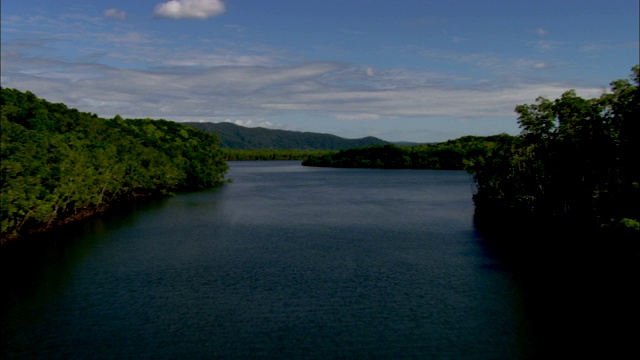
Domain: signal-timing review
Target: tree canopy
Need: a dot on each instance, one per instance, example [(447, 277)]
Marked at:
[(59, 163), (574, 162), (449, 155)]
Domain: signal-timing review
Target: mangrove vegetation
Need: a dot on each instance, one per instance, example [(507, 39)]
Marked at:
[(59, 163), (270, 154), (575, 164), (449, 155)]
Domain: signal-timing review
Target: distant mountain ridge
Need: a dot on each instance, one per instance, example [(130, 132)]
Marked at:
[(234, 136)]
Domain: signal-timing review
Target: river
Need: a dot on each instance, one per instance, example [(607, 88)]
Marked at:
[(284, 262)]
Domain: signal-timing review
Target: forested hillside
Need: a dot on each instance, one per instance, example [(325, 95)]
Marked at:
[(449, 155), (239, 137), (575, 164), (58, 163)]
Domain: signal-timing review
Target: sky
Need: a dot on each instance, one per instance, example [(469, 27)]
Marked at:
[(399, 70)]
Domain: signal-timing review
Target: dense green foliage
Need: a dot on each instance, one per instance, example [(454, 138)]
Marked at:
[(269, 154), (233, 136), (449, 155), (575, 162), (58, 163)]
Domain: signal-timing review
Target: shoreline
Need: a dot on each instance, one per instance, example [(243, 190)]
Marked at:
[(78, 217)]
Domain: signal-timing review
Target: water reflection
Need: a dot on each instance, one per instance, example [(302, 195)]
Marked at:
[(285, 261)]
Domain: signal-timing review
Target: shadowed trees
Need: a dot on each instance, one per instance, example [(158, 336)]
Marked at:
[(449, 155), (575, 162)]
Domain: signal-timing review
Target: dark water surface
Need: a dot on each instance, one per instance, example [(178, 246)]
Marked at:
[(285, 262)]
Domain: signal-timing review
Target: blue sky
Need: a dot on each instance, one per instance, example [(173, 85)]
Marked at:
[(402, 70)]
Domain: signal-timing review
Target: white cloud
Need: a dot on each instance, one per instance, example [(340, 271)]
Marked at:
[(540, 65), (243, 94), (541, 31), (189, 9), (200, 59), (250, 123), (499, 65), (115, 14), (357, 117), (262, 86)]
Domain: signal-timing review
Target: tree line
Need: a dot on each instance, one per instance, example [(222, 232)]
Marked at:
[(449, 155), (59, 163), (575, 163), (269, 154)]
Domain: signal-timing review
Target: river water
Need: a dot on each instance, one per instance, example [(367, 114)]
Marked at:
[(284, 262)]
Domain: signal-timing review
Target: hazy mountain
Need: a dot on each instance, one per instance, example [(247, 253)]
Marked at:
[(239, 137)]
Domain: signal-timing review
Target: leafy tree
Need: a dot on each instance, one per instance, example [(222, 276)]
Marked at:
[(449, 155), (59, 164), (575, 161)]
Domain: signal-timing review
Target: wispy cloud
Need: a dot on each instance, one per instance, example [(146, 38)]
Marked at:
[(220, 85), (250, 123), (357, 116), (115, 14), (545, 45), (189, 9), (92, 65), (479, 59), (540, 65), (498, 64), (224, 57), (541, 31)]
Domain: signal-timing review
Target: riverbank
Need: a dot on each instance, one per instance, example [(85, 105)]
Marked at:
[(29, 231), (60, 165)]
